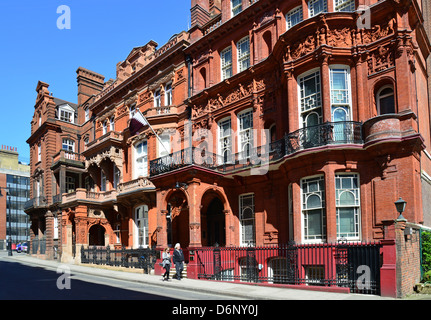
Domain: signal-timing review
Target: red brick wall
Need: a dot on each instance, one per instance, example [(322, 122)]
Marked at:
[(408, 259)]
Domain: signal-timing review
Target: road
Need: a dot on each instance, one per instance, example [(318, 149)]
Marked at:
[(22, 282)]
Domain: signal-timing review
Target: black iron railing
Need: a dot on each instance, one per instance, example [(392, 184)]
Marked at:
[(141, 258), (328, 133), (352, 265)]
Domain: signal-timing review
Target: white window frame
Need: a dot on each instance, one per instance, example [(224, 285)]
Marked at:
[(235, 8), (245, 135), (306, 193), (344, 5), (322, 6), (70, 184), (225, 140), (103, 181), (340, 178), (132, 110), (55, 229), (39, 152), (116, 175), (140, 167), (242, 208), (292, 17), (311, 103), (141, 234), (243, 55), (157, 98), (226, 66), (168, 94), (104, 126), (112, 123), (68, 144), (87, 114), (66, 113)]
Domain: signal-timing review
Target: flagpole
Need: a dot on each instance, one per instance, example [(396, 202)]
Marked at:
[(160, 140)]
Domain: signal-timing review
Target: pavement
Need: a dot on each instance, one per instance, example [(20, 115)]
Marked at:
[(228, 289)]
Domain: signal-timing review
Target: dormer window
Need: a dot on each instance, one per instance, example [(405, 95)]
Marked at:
[(66, 113)]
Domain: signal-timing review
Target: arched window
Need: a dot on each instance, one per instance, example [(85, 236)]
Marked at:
[(385, 100)]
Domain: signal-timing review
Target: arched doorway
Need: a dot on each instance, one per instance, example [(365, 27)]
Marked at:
[(178, 219), (213, 221), (96, 235), (215, 226)]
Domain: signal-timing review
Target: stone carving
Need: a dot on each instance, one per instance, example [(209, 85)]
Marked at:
[(380, 59), (342, 37)]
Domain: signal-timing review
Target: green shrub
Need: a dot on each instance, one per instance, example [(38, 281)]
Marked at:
[(426, 253), (427, 276)]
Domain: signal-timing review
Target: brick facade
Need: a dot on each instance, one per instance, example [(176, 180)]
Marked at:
[(258, 70)]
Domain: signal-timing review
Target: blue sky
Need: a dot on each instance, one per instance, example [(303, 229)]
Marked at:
[(102, 33)]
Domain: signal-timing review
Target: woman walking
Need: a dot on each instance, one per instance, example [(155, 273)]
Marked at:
[(166, 264)]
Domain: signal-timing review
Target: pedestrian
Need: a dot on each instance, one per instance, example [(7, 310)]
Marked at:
[(178, 260), (166, 264)]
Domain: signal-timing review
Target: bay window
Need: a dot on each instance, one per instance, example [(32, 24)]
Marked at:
[(347, 200), (236, 6), (316, 6), (340, 103), (313, 208), (226, 63), (294, 17)]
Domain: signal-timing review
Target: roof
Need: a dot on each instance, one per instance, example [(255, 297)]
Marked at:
[(59, 102)]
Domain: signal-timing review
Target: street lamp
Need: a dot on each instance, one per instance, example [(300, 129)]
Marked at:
[(9, 241), (400, 204)]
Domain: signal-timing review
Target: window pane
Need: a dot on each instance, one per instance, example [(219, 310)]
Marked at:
[(346, 221), (314, 222), (387, 105)]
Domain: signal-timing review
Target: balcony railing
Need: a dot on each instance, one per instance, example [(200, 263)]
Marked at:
[(111, 136), (67, 157), (37, 202), (84, 195), (329, 133), (134, 185)]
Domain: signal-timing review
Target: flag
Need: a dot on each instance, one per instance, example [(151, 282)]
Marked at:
[(137, 122)]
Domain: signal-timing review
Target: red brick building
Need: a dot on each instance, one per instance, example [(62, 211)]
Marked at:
[(271, 121)]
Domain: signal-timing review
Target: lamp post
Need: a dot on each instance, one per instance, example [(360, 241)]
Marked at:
[(400, 204)]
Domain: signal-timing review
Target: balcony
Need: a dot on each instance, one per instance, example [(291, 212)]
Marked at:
[(313, 137), (133, 186), (111, 138), (82, 195), (36, 203), (68, 158)]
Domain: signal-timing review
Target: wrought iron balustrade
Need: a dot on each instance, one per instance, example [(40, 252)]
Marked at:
[(328, 133), (140, 258), (324, 264)]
